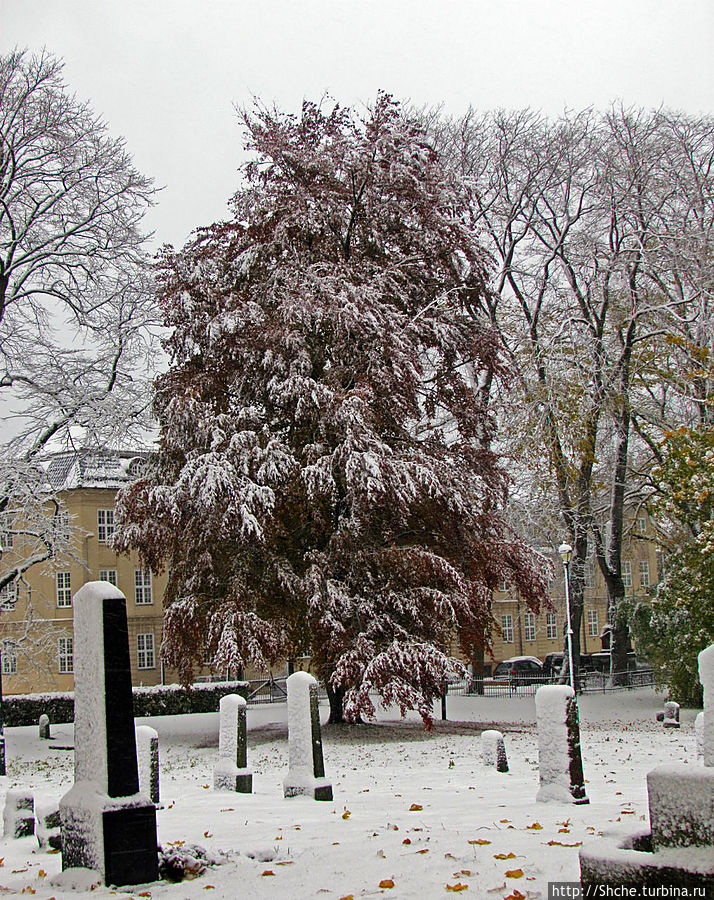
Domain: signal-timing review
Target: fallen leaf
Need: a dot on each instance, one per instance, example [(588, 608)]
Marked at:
[(285, 862), (516, 895), (43, 874), (449, 856), (205, 786), (514, 873), (346, 814), (335, 843), (348, 897), (209, 834), (464, 872), (415, 807), (563, 831), (268, 872), (480, 841), (536, 826), (510, 855), (28, 890), (406, 841), (561, 844), (228, 809), (457, 887), (425, 850), (504, 820), (144, 894), (386, 883), (17, 871), (381, 854)]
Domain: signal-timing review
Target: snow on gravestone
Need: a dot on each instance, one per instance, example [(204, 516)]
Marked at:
[(493, 750), (231, 772), (107, 825), (306, 767), (147, 754), (559, 761), (706, 676)]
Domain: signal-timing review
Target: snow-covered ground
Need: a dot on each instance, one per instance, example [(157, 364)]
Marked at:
[(415, 814)]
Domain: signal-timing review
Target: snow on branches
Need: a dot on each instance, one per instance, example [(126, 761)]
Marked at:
[(324, 483)]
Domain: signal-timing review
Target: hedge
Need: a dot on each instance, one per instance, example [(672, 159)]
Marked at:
[(159, 700)]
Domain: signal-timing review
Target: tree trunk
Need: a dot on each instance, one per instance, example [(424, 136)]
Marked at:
[(336, 697)]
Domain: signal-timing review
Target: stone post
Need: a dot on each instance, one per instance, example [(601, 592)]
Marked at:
[(44, 727), (306, 770), (559, 761), (19, 813), (699, 735), (706, 676), (231, 772), (147, 753), (671, 714), (493, 750), (107, 825)]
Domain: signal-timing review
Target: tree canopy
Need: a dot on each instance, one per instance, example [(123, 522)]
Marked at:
[(324, 483)]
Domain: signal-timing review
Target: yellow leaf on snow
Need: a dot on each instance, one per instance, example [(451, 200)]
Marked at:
[(536, 826), (457, 887), (348, 897), (386, 883), (510, 855), (561, 844), (516, 895), (514, 873), (480, 841), (346, 814)]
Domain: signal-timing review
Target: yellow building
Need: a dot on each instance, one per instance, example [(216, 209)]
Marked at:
[(37, 621), (518, 632)]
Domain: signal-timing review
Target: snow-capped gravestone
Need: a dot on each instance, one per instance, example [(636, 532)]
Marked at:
[(559, 761), (706, 677), (671, 714), (493, 750), (19, 813), (44, 727), (147, 753), (107, 825), (306, 768), (231, 772)]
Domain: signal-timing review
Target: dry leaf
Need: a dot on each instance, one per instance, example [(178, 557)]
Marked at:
[(561, 844), (268, 872), (348, 897), (449, 856), (425, 850), (480, 841), (406, 841), (346, 814), (514, 873), (144, 894), (43, 874), (386, 883), (516, 895), (228, 809), (536, 826), (457, 887), (415, 807), (285, 862), (510, 855), (464, 872), (205, 786), (563, 831), (207, 834), (504, 820)]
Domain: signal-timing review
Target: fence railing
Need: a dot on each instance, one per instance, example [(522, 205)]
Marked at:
[(527, 685)]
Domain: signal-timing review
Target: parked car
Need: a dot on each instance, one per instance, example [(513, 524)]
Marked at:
[(553, 663), (520, 670)]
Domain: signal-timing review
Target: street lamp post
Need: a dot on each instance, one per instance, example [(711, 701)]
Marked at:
[(566, 553)]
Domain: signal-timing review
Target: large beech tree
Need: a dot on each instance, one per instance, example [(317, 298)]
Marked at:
[(324, 484)]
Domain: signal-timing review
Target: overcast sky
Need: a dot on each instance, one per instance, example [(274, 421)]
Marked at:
[(166, 74)]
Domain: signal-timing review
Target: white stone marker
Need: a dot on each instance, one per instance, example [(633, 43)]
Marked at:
[(231, 772), (147, 757), (306, 769), (706, 676), (699, 735), (559, 760), (44, 727), (493, 750)]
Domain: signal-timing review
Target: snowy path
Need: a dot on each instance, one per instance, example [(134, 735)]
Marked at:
[(413, 808)]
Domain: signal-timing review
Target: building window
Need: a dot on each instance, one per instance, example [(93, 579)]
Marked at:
[(641, 524), (529, 626), (5, 532), (507, 628), (109, 575), (592, 623), (145, 650), (551, 626), (105, 524), (502, 586), (9, 658), (627, 573), (65, 651), (8, 596), (64, 589), (644, 573), (142, 586), (589, 575)]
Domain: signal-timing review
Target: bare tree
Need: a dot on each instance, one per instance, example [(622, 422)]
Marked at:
[(76, 308)]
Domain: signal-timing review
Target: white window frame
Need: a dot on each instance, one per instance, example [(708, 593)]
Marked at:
[(105, 525), (551, 626), (108, 575), (9, 657), (641, 524), (627, 573), (644, 573), (529, 626), (145, 650), (8, 596), (143, 587), (65, 655), (593, 628), (507, 628), (6, 535), (63, 585), (589, 575)]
